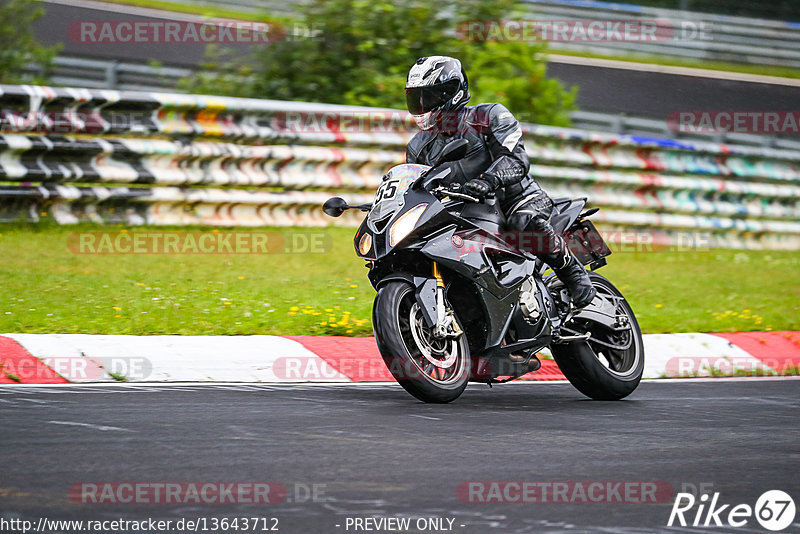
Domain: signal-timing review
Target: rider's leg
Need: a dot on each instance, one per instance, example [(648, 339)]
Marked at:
[(533, 217)]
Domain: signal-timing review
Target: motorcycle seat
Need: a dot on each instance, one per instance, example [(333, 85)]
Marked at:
[(565, 210)]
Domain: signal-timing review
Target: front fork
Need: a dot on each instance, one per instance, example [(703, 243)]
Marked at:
[(446, 324)]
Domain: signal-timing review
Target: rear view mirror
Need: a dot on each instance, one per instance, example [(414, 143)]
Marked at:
[(335, 206), (453, 151)]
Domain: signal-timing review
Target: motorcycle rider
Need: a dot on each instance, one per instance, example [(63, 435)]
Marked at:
[(437, 91)]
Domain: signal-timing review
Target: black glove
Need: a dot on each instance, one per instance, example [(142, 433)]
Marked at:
[(479, 187)]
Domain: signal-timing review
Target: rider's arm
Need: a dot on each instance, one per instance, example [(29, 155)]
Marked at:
[(410, 156), (511, 162), (413, 150)]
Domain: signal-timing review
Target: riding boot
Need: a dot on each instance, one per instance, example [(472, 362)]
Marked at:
[(577, 281), (533, 218), (553, 251)]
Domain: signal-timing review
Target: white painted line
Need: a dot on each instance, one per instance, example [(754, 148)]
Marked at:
[(89, 425), (721, 379), (198, 386)]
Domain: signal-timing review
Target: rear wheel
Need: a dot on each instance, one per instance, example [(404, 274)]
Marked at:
[(431, 369), (610, 364)]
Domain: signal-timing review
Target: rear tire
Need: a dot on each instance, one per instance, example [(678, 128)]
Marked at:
[(419, 363), (581, 361)]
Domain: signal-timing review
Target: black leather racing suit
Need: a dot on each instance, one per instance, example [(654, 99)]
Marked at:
[(497, 155)]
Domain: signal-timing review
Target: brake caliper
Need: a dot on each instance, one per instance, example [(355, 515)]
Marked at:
[(446, 324)]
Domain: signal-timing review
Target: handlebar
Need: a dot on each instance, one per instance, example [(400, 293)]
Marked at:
[(444, 191)]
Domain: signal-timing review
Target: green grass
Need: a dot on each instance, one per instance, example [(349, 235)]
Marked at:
[(46, 288), (203, 10)]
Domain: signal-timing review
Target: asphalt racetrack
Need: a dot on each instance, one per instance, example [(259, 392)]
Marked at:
[(373, 451)]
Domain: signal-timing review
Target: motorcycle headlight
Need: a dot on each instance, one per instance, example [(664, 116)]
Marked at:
[(365, 243), (405, 224)]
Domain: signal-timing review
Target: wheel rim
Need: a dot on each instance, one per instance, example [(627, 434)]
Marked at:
[(438, 360), (619, 352)]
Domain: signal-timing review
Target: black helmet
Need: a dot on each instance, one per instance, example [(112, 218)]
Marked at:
[(435, 84)]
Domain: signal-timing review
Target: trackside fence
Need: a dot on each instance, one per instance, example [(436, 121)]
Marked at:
[(73, 155)]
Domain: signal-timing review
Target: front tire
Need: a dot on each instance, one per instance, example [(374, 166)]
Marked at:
[(430, 369), (595, 369)]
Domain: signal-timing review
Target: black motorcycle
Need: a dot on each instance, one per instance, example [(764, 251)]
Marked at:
[(459, 301)]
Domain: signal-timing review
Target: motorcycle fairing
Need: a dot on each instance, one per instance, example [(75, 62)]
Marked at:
[(498, 289)]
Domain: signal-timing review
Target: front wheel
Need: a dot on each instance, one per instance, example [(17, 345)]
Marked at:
[(432, 370), (610, 364)]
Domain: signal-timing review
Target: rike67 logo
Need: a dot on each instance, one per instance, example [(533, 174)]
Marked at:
[(774, 510)]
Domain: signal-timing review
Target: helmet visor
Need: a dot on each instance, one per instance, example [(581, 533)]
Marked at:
[(421, 100)]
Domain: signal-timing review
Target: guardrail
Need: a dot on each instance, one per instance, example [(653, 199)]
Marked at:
[(74, 155), (623, 124), (728, 38), (103, 74)]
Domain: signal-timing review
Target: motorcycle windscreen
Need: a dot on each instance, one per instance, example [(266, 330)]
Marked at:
[(390, 197)]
